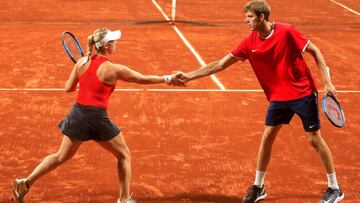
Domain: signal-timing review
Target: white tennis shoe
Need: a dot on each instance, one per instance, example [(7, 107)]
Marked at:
[(128, 200), (20, 189)]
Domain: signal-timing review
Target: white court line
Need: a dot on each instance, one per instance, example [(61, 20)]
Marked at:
[(154, 90), (133, 90), (187, 43), (347, 8)]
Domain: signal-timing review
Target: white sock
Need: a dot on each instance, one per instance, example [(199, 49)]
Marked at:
[(332, 182), (259, 178)]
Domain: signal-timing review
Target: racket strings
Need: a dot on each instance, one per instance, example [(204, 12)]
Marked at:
[(72, 47), (334, 112)]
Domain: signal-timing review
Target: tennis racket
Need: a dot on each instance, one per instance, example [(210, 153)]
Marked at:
[(72, 46), (333, 111)]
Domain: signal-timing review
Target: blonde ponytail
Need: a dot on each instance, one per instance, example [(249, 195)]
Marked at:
[(90, 44)]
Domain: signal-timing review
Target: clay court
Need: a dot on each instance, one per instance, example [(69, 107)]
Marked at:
[(194, 144)]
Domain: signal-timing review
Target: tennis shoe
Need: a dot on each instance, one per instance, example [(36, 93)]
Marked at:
[(128, 200), (332, 196), (20, 189), (254, 194)]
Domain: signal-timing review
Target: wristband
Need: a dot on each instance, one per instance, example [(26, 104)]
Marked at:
[(167, 79)]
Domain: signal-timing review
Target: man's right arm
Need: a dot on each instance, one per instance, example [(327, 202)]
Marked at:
[(211, 68)]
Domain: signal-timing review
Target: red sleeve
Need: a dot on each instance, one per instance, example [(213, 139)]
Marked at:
[(298, 39), (240, 51)]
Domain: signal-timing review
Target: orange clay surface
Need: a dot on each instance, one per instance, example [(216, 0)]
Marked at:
[(186, 146)]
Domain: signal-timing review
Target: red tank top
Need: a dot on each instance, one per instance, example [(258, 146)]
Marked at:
[(93, 92)]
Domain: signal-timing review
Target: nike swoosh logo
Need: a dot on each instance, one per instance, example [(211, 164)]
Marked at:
[(311, 126), (253, 50)]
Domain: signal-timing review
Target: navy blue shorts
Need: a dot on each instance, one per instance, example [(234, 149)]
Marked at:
[(281, 112), (88, 123)]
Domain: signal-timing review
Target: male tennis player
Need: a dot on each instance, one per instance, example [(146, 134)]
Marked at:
[(88, 119), (274, 51)]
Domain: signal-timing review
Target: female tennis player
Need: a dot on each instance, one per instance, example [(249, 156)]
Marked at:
[(274, 51), (88, 119)]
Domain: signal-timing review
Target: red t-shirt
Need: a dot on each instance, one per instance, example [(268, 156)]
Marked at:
[(93, 92), (278, 63)]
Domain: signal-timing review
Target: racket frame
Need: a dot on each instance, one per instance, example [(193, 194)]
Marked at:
[(323, 104), (66, 48)]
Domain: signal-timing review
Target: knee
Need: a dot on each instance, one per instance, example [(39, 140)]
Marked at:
[(127, 155), (268, 138), (124, 155), (312, 142), (315, 141), (62, 158)]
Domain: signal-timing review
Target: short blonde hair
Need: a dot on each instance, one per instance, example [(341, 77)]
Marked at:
[(258, 7)]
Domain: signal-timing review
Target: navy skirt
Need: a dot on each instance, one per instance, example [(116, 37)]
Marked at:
[(88, 123)]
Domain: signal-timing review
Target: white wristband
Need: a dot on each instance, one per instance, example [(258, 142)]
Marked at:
[(167, 79)]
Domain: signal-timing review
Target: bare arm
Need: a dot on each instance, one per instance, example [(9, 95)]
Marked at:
[(211, 68), (73, 80), (128, 75), (324, 70)]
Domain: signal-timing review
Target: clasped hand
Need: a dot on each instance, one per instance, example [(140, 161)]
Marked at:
[(178, 79)]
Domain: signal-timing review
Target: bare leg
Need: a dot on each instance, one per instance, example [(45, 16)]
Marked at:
[(265, 148), (118, 147), (322, 148), (257, 191), (66, 151)]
